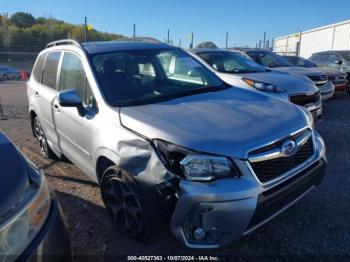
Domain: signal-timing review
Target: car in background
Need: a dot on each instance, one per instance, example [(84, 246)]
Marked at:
[(334, 60), (10, 73), (338, 78), (31, 223), (278, 63), (167, 139), (238, 70)]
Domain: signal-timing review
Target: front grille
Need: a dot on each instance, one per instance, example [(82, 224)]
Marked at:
[(270, 169), (276, 198), (319, 80), (303, 100)]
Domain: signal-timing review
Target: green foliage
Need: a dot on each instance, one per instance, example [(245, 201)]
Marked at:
[(22, 20), (22, 33)]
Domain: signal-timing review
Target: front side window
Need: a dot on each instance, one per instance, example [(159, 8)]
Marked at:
[(230, 62), (269, 59), (50, 69), (346, 55), (149, 76), (333, 58), (73, 77)]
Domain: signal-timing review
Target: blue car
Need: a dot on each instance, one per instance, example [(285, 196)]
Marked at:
[(31, 223)]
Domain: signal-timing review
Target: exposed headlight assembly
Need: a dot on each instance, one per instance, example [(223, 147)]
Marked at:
[(265, 87), (20, 229), (193, 165)]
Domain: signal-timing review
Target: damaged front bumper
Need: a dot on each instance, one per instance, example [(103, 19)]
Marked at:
[(213, 214)]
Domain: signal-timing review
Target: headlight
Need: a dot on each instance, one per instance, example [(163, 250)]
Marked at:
[(265, 87), (193, 165), (309, 117), (17, 233)]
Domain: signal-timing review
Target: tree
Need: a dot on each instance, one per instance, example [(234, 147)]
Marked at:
[(206, 45), (22, 20)]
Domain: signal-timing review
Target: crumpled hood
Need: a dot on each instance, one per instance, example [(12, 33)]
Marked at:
[(293, 84), (13, 175), (299, 70), (229, 122)]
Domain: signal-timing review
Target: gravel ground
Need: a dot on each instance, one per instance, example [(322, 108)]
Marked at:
[(318, 225)]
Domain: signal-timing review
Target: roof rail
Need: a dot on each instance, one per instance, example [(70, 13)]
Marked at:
[(141, 39), (63, 42)]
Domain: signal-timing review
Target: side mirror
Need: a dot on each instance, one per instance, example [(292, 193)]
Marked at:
[(338, 62), (71, 98)]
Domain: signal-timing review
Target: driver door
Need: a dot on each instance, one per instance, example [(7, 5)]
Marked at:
[(76, 132)]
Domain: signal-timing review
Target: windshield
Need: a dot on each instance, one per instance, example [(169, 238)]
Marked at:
[(149, 76), (231, 62), (269, 59)]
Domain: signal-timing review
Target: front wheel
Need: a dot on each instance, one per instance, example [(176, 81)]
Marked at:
[(133, 210), (40, 136)]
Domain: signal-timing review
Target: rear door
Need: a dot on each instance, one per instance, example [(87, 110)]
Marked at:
[(45, 93), (76, 132)]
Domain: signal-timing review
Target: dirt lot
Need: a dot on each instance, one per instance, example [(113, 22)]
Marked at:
[(318, 225)]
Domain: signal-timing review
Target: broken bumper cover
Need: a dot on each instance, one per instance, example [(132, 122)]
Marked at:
[(210, 215)]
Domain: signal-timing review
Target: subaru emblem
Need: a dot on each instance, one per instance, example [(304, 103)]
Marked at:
[(289, 147)]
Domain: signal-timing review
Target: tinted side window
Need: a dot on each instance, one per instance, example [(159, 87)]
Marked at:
[(333, 57), (50, 69), (38, 67), (73, 77), (319, 58)]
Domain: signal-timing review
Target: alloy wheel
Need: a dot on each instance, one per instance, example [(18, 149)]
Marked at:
[(40, 136), (123, 205)]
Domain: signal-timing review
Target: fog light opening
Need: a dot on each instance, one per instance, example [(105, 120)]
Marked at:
[(199, 234)]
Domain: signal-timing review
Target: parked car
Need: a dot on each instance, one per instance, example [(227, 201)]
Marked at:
[(239, 70), (278, 63), (338, 78), (31, 223), (165, 137), (333, 60), (10, 73)]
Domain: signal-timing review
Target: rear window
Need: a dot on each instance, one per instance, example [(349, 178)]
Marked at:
[(50, 69), (38, 67)]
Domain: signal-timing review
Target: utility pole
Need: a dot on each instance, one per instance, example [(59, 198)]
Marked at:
[(226, 40), (168, 39), (191, 45), (264, 45), (85, 29), (134, 31)]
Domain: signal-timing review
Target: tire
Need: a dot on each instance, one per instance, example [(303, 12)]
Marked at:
[(40, 136), (132, 209)]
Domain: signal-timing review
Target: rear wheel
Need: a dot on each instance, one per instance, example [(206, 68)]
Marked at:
[(132, 209), (40, 136)]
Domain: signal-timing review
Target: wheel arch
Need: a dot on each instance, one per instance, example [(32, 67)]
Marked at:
[(32, 115), (105, 158)]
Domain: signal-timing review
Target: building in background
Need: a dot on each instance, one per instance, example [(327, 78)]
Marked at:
[(305, 43)]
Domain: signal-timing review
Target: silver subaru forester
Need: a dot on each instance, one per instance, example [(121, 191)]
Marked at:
[(166, 139)]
